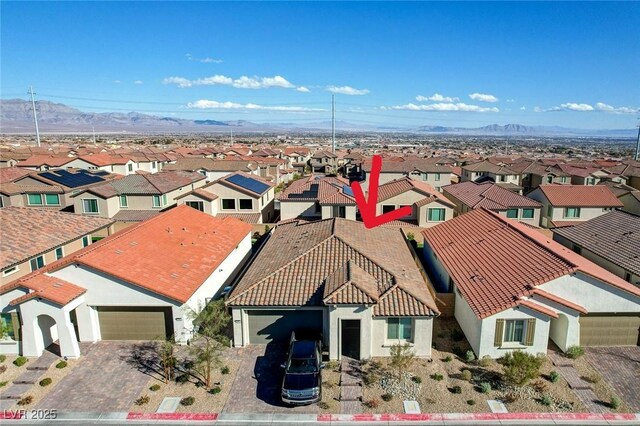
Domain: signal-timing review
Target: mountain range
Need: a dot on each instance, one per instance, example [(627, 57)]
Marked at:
[(16, 116)]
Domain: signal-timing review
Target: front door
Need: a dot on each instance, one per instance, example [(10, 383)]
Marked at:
[(350, 340)]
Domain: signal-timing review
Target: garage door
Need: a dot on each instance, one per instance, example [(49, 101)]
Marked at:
[(267, 326), (618, 330), (135, 323)]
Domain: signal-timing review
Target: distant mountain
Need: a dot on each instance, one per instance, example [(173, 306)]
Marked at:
[(522, 130)]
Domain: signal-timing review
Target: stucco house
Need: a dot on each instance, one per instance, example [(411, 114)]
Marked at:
[(137, 284), (212, 169), (498, 173), (469, 196), (516, 288), (324, 162), (317, 197), (361, 288), (566, 205), (422, 169)]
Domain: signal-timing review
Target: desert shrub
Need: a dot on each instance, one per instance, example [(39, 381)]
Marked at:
[(430, 400), (20, 361), (554, 376), (469, 356), (3, 384), (411, 236), (332, 365), (546, 400), (369, 378), (510, 397), (575, 352), (187, 365), (447, 359), (485, 361), (375, 365), (155, 387), (25, 400), (520, 367), (224, 370), (455, 389), (328, 385), (437, 377), (471, 401), (144, 399), (485, 387), (466, 375), (387, 397), (45, 382), (416, 379), (215, 390), (182, 378), (593, 378), (3, 368), (323, 405), (372, 403), (189, 400), (457, 335), (615, 402), (3, 357), (539, 386), (61, 364)]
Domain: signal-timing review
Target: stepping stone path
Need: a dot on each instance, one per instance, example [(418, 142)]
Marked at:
[(22, 384), (350, 386)]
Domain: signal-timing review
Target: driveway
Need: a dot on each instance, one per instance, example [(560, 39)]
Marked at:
[(620, 367), (104, 380), (256, 388)]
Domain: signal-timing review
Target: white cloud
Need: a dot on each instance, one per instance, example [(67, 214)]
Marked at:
[(117, 81), (138, 82), (243, 82), (581, 107), (511, 100), (436, 97), (206, 60), (347, 90), (444, 107), (620, 110), (302, 89), (209, 104), (576, 107), (523, 108), (483, 97)]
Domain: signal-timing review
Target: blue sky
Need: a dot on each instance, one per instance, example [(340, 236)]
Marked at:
[(454, 64)]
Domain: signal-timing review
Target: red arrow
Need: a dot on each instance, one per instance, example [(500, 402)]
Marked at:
[(368, 207)]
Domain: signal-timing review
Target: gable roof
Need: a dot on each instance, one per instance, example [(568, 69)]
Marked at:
[(211, 165), (402, 165), (406, 184), (146, 184), (488, 195), (580, 196), (42, 286), (326, 190), (335, 261), (11, 174), (489, 167), (495, 261)]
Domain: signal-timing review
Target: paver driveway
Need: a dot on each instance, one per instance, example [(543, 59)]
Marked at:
[(104, 380), (256, 388), (620, 367)]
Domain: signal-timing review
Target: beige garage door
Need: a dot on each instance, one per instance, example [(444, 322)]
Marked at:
[(134, 323), (618, 330)]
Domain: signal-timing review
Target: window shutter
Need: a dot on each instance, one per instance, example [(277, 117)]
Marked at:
[(499, 332), (531, 331)]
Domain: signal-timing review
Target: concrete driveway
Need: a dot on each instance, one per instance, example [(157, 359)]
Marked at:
[(105, 379), (620, 367), (256, 388)]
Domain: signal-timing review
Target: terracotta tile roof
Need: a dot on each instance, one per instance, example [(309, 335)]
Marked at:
[(103, 159), (494, 261), (614, 236), (537, 307), (200, 192), (406, 184), (42, 286), (30, 231), (42, 160), (126, 215), (302, 264), (209, 164), (618, 189), (488, 195), (10, 174), (559, 300), (564, 223), (580, 196), (252, 218), (407, 166), (324, 154), (146, 184), (486, 166), (326, 190), (15, 188)]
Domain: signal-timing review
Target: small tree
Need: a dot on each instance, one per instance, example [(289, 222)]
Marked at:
[(167, 359), (520, 367), (401, 356)]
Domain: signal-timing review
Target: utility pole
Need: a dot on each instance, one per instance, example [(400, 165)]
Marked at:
[(637, 158), (232, 135), (35, 114), (94, 134), (333, 124)]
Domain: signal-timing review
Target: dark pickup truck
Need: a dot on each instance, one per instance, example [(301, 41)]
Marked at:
[(302, 382)]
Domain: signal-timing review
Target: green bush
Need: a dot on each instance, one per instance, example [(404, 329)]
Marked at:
[(182, 378), (615, 402), (471, 402), (416, 379), (224, 370), (3, 384), (189, 400), (447, 359), (554, 376), (25, 400), (411, 236), (466, 375), (485, 387), (215, 390), (20, 361), (455, 389), (469, 356), (61, 364), (155, 387), (575, 352), (3, 357), (333, 365), (485, 361), (387, 397), (546, 400), (520, 367), (437, 377), (46, 381), (144, 399)]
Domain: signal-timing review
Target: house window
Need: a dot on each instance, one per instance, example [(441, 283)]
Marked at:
[(10, 271), (123, 201), (318, 208), (503, 178), (627, 276), (85, 241), (228, 204), (164, 199), (34, 199), (399, 328), (262, 201), (550, 179), (577, 249), (563, 179), (435, 215), (550, 210), (6, 321), (52, 199), (436, 176), (130, 167), (512, 213), (36, 263), (59, 253), (156, 201), (514, 331), (198, 205), (153, 165), (572, 212), (388, 208), (90, 205), (527, 213), (591, 181), (246, 204)]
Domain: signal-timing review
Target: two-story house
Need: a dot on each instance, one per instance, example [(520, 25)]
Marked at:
[(212, 169), (324, 162), (317, 197), (486, 170), (421, 169)]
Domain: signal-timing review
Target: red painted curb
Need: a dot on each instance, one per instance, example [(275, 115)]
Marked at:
[(173, 416), (12, 415), (621, 416), (474, 417)]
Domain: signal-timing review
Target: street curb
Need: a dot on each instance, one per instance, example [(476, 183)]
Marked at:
[(173, 416)]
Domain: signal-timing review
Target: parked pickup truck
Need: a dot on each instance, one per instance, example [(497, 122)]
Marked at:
[(302, 382)]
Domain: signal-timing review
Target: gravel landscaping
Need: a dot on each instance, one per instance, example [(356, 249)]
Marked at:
[(11, 372), (600, 387), (331, 388)]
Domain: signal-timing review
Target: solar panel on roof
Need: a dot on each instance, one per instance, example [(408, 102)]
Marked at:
[(249, 184), (347, 190), (101, 173), (72, 180)]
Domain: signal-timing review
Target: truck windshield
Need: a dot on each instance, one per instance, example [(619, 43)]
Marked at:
[(302, 366)]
